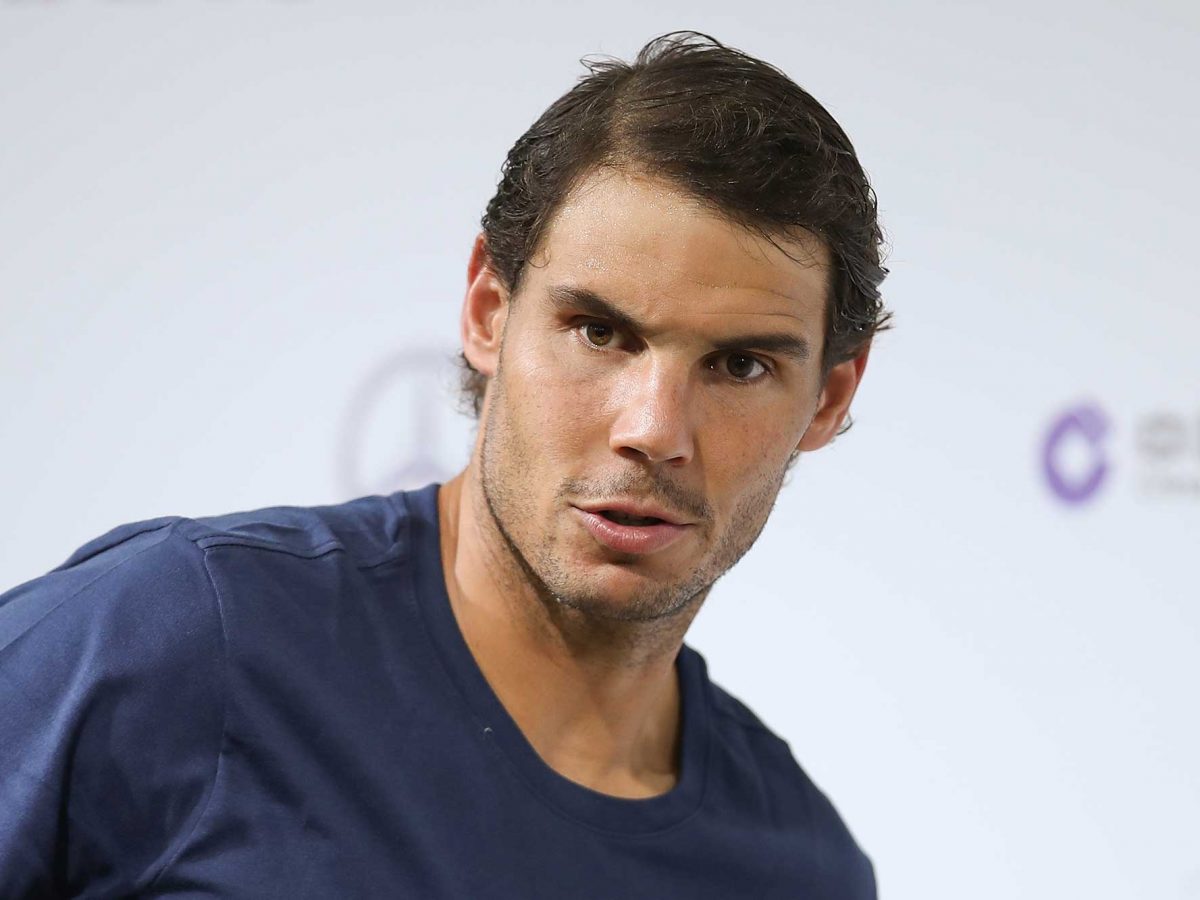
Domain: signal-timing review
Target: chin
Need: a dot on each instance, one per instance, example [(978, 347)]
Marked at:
[(620, 595)]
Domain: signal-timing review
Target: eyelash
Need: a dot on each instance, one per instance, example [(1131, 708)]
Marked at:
[(580, 328)]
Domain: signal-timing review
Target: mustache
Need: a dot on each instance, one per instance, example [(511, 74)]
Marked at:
[(636, 484)]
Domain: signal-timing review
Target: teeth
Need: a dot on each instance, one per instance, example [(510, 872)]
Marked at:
[(625, 519)]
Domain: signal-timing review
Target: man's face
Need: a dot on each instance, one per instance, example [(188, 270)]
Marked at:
[(653, 359)]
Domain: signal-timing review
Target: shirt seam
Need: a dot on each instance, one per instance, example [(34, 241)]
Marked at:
[(220, 755), (220, 539)]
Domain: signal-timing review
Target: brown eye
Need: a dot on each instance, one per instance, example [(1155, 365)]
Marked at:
[(598, 333), (741, 366)]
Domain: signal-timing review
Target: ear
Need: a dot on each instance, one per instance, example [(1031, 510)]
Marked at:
[(834, 402), (484, 311)]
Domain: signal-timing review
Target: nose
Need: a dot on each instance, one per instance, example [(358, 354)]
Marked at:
[(654, 417)]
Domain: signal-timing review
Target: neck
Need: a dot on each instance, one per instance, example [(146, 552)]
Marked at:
[(597, 699)]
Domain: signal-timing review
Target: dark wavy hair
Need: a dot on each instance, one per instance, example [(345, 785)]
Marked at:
[(723, 127)]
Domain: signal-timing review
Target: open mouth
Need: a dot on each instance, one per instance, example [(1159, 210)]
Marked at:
[(626, 519), (627, 533)]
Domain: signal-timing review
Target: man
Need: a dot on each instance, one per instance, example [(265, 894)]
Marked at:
[(480, 689)]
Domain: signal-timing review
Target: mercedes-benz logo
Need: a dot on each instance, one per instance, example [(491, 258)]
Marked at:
[(402, 429)]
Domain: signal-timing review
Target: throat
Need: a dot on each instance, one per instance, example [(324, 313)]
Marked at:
[(614, 757)]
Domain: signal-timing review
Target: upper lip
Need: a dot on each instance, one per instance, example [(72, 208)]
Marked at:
[(634, 508)]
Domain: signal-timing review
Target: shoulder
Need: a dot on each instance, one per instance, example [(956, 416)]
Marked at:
[(130, 617), (111, 685), (157, 573), (136, 578), (751, 747), (801, 815), (113, 680)]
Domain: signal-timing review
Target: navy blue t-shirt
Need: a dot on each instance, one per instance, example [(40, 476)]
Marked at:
[(280, 704)]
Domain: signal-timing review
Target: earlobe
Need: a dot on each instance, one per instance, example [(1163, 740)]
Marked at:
[(485, 309), (833, 404)]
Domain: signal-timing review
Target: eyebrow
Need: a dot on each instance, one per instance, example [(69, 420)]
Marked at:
[(589, 302)]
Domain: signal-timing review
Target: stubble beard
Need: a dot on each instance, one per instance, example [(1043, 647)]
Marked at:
[(509, 503)]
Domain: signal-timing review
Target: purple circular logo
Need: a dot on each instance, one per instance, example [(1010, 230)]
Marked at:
[(1073, 458)]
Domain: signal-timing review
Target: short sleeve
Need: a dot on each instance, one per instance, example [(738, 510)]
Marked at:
[(111, 714)]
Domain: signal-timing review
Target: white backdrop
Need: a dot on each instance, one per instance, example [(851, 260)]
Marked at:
[(232, 248)]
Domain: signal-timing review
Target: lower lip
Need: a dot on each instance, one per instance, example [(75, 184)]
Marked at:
[(631, 538)]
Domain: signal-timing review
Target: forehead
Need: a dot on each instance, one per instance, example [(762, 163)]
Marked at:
[(642, 242)]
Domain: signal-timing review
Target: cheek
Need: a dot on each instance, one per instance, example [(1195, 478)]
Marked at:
[(745, 455), (560, 404), (747, 435)]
